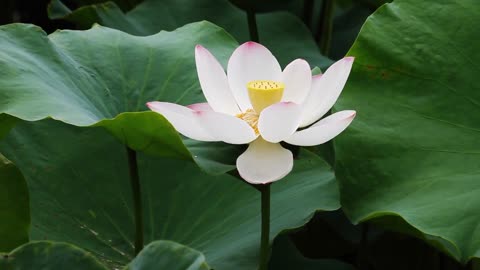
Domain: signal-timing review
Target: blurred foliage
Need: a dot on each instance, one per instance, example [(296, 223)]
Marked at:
[(395, 54)]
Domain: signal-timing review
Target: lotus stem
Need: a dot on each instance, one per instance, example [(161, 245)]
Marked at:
[(308, 6), (252, 25), (137, 198), (265, 233), (324, 36)]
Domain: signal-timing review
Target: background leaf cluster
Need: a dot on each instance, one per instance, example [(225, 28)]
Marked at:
[(405, 175)]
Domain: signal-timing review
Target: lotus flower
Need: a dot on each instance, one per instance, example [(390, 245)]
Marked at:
[(258, 104)]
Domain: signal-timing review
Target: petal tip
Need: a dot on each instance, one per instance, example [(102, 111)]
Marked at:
[(303, 60), (349, 58), (350, 114), (251, 43)]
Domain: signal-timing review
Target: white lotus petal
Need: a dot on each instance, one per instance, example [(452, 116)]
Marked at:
[(323, 131), (250, 61), (214, 82), (264, 162), (226, 128), (325, 90), (279, 121), (204, 106), (297, 78), (183, 119)]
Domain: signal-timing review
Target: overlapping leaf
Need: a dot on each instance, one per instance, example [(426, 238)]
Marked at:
[(80, 193), (413, 150), (168, 255), (101, 76), (48, 255), (14, 206), (277, 30)]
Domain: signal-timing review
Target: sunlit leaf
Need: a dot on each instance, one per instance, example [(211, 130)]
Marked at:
[(103, 77), (413, 149)]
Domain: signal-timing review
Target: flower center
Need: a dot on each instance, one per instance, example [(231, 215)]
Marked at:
[(264, 93), (251, 117)]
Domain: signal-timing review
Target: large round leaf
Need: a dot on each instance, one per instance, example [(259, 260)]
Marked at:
[(168, 255), (6, 123), (282, 32), (91, 78), (14, 207), (45, 255), (413, 150), (80, 193)]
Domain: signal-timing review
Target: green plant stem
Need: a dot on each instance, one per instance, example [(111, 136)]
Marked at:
[(308, 13), (252, 26), (324, 34), (265, 233), (137, 198), (362, 260)]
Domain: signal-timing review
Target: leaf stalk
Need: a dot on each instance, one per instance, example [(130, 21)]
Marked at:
[(265, 231), (137, 198)]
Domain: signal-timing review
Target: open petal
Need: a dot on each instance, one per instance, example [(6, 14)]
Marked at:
[(226, 128), (204, 106), (183, 119), (214, 82), (325, 90), (323, 131), (297, 78), (250, 61), (264, 162), (279, 121)]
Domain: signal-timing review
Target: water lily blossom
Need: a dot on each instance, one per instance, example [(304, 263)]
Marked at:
[(257, 103)]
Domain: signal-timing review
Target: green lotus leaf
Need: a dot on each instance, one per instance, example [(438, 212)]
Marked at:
[(6, 123), (168, 255), (45, 255), (80, 193), (14, 206), (413, 149), (283, 33), (104, 77)]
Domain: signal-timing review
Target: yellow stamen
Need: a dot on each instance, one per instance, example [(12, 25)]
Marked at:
[(264, 93), (251, 117)]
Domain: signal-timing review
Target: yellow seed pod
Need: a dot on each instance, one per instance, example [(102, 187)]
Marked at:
[(264, 93)]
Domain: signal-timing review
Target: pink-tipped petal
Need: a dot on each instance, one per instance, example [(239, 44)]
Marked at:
[(204, 106), (279, 121), (323, 131), (183, 119), (325, 90), (226, 128), (250, 61), (214, 82), (264, 162), (297, 78)]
